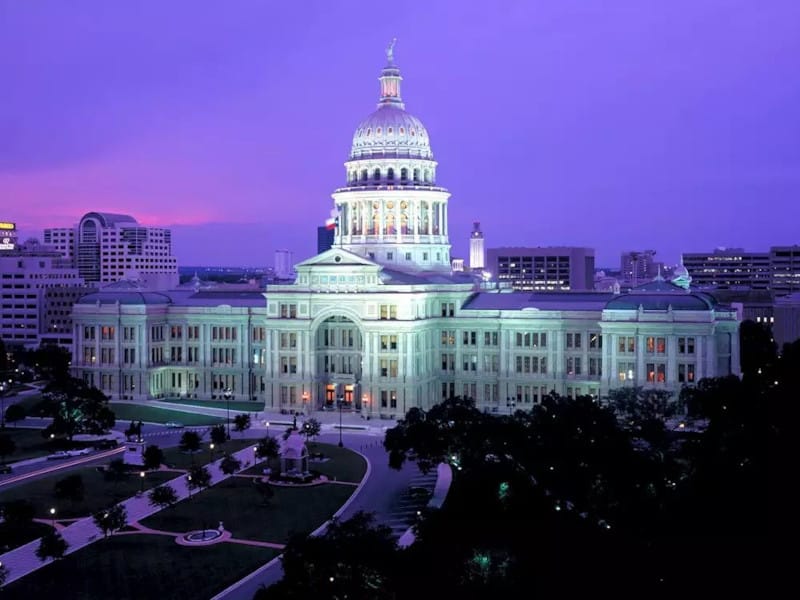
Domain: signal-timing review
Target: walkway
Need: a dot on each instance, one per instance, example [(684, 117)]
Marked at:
[(23, 560)]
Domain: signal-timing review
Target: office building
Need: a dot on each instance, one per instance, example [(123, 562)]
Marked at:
[(107, 247), (727, 268), (638, 266), (38, 288), (543, 269)]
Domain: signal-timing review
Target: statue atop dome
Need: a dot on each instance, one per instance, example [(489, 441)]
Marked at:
[(390, 51)]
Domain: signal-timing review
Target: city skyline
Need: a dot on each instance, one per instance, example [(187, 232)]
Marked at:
[(660, 126)]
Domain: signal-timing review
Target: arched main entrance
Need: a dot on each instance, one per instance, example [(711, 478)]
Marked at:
[(339, 349)]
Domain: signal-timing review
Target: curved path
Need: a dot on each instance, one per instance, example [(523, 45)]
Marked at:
[(379, 495)]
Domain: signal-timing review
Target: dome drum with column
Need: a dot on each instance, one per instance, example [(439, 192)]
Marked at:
[(391, 210)]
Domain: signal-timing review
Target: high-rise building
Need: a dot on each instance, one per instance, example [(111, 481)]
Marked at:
[(38, 288), (543, 268), (107, 247), (477, 254), (381, 324), (638, 266)]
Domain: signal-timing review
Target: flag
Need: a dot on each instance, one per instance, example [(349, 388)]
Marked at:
[(333, 221)]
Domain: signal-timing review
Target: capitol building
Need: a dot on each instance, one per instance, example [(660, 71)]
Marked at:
[(382, 323)]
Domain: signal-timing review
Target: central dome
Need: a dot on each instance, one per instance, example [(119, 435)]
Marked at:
[(391, 132)]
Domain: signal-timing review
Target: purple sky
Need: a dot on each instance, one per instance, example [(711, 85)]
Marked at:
[(611, 124)]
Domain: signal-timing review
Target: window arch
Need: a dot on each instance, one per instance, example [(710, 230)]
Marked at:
[(427, 175), (416, 174), (376, 175), (390, 174), (364, 175), (403, 174)]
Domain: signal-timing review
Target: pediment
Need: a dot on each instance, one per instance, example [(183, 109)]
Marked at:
[(336, 257)]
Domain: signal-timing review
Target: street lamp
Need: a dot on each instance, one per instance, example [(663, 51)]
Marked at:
[(141, 477), (189, 485), (340, 402), (53, 516), (211, 451), (306, 396), (227, 393), (267, 424)]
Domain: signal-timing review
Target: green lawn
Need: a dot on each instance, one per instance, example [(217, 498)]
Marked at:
[(30, 443), (99, 492), (152, 414), (343, 465), (181, 460), (141, 567), (238, 504), (236, 406)]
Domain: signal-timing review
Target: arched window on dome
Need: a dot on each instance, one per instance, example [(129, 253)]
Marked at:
[(427, 176), (364, 175), (376, 175), (403, 174), (416, 174), (390, 174)]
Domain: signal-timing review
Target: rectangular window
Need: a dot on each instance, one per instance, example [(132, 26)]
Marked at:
[(388, 312), (107, 333), (685, 345), (595, 341), (595, 367), (626, 371), (686, 373), (573, 340), (490, 338), (175, 332), (627, 345)]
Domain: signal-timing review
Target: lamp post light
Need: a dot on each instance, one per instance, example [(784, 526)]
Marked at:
[(227, 394), (365, 404), (306, 397), (189, 485), (340, 423), (211, 451), (267, 424), (141, 477), (53, 516)]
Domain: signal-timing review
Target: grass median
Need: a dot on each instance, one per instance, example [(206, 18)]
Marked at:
[(152, 414)]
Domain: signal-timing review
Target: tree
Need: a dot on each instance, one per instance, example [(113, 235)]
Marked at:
[(230, 464), (241, 423), (352, 559), (198, 478), (218, 435), (70, 488), (52, 546), (163, 496), (3, 575), (264, 489), (77, 408), (18, 514), (311, 428), (153, 457), (111, 519), (7, 446), (15, 412), (268, 448), (190, 442)]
